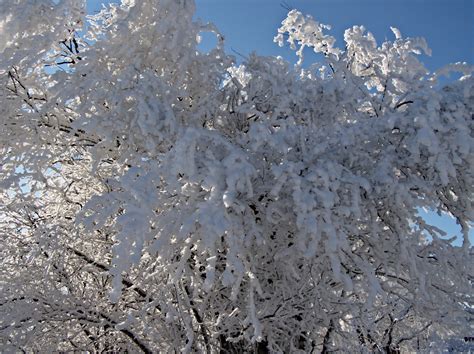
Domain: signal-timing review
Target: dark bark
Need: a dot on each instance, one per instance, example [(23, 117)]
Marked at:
[(327, 338)]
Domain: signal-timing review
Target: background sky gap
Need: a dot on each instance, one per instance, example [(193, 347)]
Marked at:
[(248, 25)]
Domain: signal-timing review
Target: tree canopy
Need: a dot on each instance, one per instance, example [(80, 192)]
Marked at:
[(156, 198)]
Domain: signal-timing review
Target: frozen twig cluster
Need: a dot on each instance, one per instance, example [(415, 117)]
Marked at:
[(156, 198)]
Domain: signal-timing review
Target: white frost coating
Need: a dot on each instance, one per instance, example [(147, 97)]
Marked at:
[(5, 41), (396, 32), (257, 326), (156, 198), (305, 32)]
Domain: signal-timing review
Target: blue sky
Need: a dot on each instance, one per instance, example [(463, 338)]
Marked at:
[(447, 25), (247, 25), (250, 25)]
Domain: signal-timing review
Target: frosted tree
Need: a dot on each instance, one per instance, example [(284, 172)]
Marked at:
[(155, 198)]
